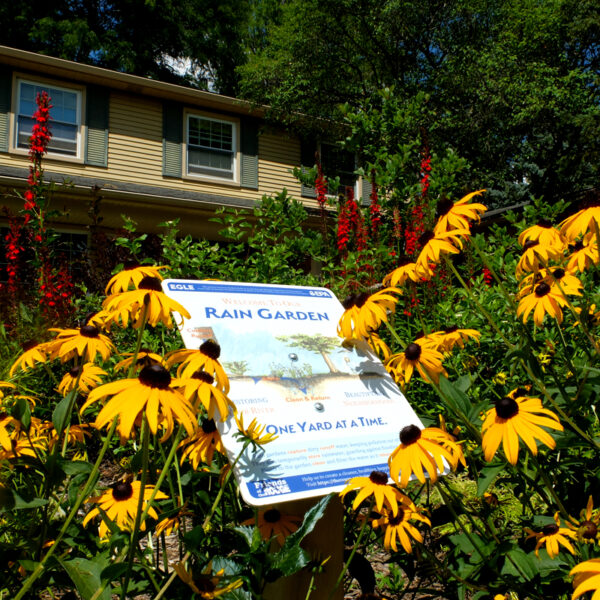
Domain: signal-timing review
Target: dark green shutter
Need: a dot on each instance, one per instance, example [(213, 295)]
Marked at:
[(172, 139), (367, 187), (5, 98), (96, 149), (307, 160), (249, 153)]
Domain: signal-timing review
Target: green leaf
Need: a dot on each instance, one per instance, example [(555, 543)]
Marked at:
[(21, 411), (525, 562), (487, 475), (290, 560), (76, 467), (310, 520), (86, 575), (10, 500), (59, 414)]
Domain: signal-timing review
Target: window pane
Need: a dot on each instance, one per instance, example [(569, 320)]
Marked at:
[(210, 147), (206, 162)]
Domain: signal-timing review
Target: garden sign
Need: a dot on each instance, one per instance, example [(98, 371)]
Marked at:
[(336, 411)]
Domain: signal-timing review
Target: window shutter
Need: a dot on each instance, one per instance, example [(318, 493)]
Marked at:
[(96, 150), (5, 98), (367, 188), (249, 153), (172, 139), (307, 160)]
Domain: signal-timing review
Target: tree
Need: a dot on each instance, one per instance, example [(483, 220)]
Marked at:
[(319, 344), (511, 87)]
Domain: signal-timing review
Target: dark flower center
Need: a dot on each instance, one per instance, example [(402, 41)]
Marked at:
[(29, 345), (128, 265), (542, 289), (379, 477), (208, 425), (519, 393), (558, 273), (506, 408), (89, 331), (144, 358), (204, 584), (545, 223), (413, 351), (451, 329), (272, 516), (357, 300), (410, 434), (588, 530), (550, 529), (444, 206), (74, 372), (155, 376), (150, 283), (425, 237), (577, 246), (529, 244), (122, 491), (211, 349), (203, 376), (398, 518)]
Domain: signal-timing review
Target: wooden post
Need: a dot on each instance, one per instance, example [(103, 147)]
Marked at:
[(326, 539)]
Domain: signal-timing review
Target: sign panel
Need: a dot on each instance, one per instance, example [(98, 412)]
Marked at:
[(336, 410)]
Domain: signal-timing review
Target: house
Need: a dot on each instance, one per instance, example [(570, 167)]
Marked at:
[(148, 149)]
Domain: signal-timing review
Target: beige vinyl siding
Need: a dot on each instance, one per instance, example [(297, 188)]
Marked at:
[(135, 149), (277, 156)]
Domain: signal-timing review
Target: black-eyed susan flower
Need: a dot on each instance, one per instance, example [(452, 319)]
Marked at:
[(201, 447), (207, 585), (206, 359), (583, 254), (553, 536), (33, 353), (407, 270), (22, 445), (144, 358), (545, 234), (535, 255), (433, 246), (420, 355), (254, 432), (515, 418), (129, 305), (75, 434), (131, 276), (120, 504), (271, 522), (365, 312), (9, 428), (423, 450), (458, 215), (86, 343), (171, 524), (542, 301), (376, 485), (199, 390), (379, 346), (8, 386), (86, 377), (581, 222), (151, 392), (586, 578), (452, 336), (586, 527), (399, 527)]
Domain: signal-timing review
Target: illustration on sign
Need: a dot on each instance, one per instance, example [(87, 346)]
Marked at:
[(336, 411)]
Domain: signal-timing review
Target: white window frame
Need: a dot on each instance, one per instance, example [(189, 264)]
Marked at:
[(357, 187), (234, 180), (79, 92)]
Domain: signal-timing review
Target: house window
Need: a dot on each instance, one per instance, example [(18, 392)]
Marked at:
[(337, 162), (65, 123), (212, 147)]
